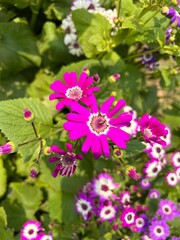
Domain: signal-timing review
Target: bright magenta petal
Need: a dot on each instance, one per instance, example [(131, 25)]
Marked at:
[(123, 120), (116, 137), (84, 80), (120, 104), (77, 117), (78, 133), (87, 143), (106, 105), (58, 86), (96, 147), (75, 107), (70, 79), (56, 96), (105, 145)]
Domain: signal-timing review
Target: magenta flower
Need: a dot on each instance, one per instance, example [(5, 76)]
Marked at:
[(103, 186), (30, 230), (67, 160), (84, 205), (167, 209), (107, 212), (141, 222), (159, 230), (98, 125), (153, 193), (128, 217), (8, 148), (171, 179), (43, 236), (152, 129), (73, 90)]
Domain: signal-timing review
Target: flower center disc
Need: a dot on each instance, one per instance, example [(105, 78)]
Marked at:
[(147, 132), (68, 160), (98, 124), (74, 93)]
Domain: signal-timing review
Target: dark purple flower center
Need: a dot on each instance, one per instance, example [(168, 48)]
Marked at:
[(107, 212), (31, 231), (159, 230), (91, 7), (98, 123), (74, 93), (178, 160), (167, 210), (140, 222), (76, 45), (129, 217), (68, 30), (158, 149), (68, 160), (84, 206), (104, 188), (154, 169)]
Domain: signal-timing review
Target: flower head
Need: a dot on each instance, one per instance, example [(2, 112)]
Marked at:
[(167, 209), (103, 186), (152, 129), (131, 172), (73, 90), (141, 222), (124, 198), (159, 230), (176, 159), (98, 125), (30, 230), (84, 205), (171, 179), (128, 217), (107, 213), (152, 169), (145, 183), (153, 193), (28, 115), (8, 148), (67, 160), (43, 236)]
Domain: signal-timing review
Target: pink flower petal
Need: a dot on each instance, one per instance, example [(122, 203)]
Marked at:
[(116, 137), (79, 132), (84, 80), (123, 120), (69, 147), (56, 96), (96, 147), (87, 143), (106, 105), (76, 107), (77, 117), (120, 104), (70, 79), (58, 86), (70, 126), (105, 145)]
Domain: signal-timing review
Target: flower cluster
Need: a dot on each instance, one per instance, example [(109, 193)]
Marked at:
[(92, 6), (32, 230), (102, 199), (149, 59)]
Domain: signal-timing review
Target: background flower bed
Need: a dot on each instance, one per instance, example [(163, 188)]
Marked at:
[(33, 55)]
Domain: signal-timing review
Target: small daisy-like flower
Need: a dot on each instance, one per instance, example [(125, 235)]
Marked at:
[(132, 128), (152, 168), (43, 236), (98, 125), (8, 148), (34, 170), (130, 110), (156, 151), (167, 209), (175, 238), (30, 230), (67, 160), (153, 193), (103, 186), (73, 90), (128, 216), (168, 137), (171, 179), (124, 198), (159, 230), (107, 213), (75, 48), (176, 159), (145, 183), (177, 172), (141, 222), (84, 205), (149, 59), (152, 129)]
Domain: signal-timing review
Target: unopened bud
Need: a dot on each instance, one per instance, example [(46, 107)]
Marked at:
[(131, 172), (165, 10), (86, 70), (113, 78), (7, 148), (34, 170), (96, 78), (47, 151), (115, 226), (114, 93), (28, 115), (117, 153)]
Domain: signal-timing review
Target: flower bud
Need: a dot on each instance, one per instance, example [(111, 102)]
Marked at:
[(117, 153), (96, 78), (34, 170), (28, 115), (86, 70), (47, 151), (113, 78), (7, 148), (130, 171)]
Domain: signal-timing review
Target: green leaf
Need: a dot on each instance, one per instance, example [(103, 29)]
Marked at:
[(160, 36), (128, 7), (93, 31), (3, 178), (18, 130), (3, 217), (152, 204), (134, 147), (6, 234), (166, 76), (28, 195), (18, 48)]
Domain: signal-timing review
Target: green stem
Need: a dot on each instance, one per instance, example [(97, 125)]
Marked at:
[(119, 9), (39, 154), (34, 128), (75, 145), (24, 143), (142, 53)]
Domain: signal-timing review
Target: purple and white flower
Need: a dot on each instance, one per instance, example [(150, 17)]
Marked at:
[(153, 193), (84, 205), (171, 179), (128, 217), (167, 209), (145, 183), (30, 230), (176, 159), (159, 230), (153, 167)]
